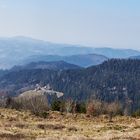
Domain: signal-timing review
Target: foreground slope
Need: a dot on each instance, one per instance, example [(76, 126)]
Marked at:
[(19, 125)]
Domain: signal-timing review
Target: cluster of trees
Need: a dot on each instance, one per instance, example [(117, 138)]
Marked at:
[(40, 106)]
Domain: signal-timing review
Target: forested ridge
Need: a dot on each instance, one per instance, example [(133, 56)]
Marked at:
[(115, 79)]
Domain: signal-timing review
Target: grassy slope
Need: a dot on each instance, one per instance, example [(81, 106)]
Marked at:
[(15, 125)]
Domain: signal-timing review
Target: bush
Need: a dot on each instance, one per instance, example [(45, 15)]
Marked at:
[(13, 103), (113, 109), (136, 113), (90, 109), (70, 106), (3, 102), (95, 108), (44, 114), (81, 108), (98, 107), (38, 105), (57, 105)]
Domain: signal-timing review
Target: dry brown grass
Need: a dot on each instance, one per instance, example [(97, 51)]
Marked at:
[(18, 125)]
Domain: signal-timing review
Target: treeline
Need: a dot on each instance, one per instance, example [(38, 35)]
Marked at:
[(40, 106)]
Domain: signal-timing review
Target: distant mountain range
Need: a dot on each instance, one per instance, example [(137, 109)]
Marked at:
[(14, 51), (83, 60), (55, 65), (135, 57)]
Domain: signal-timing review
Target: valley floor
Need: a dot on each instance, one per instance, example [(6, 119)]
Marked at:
[(16, 125)]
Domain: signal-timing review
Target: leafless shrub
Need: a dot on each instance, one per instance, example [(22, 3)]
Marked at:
[(128, 107), (95, 108), (13, 103), (38, 105), (2, 103), (90, 108), (113, 109), (69, 105)]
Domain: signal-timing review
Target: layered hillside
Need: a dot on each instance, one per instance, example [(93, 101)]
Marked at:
[(82, 60), (112, 80), (54, 65), (135, 57), (22, 48)]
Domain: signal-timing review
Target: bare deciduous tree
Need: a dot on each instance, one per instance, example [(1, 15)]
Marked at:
[(36, 104), (113, 109), (69, 105)]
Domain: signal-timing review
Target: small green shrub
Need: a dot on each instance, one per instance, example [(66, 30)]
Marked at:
[(44, 114), (81, 108), (136, 113), (56, 105)]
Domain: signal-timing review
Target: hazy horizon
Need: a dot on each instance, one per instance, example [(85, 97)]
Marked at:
[(76, 44), (93, 23)]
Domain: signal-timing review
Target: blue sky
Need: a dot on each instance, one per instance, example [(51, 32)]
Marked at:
[(110, 23)]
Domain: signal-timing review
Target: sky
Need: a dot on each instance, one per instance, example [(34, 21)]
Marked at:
[(97, 23)]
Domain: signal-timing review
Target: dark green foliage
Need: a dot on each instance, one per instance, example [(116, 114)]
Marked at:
[(13, 104), (136, 113), (113, 80), (81, 107), (56, 105), (44, 114)]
